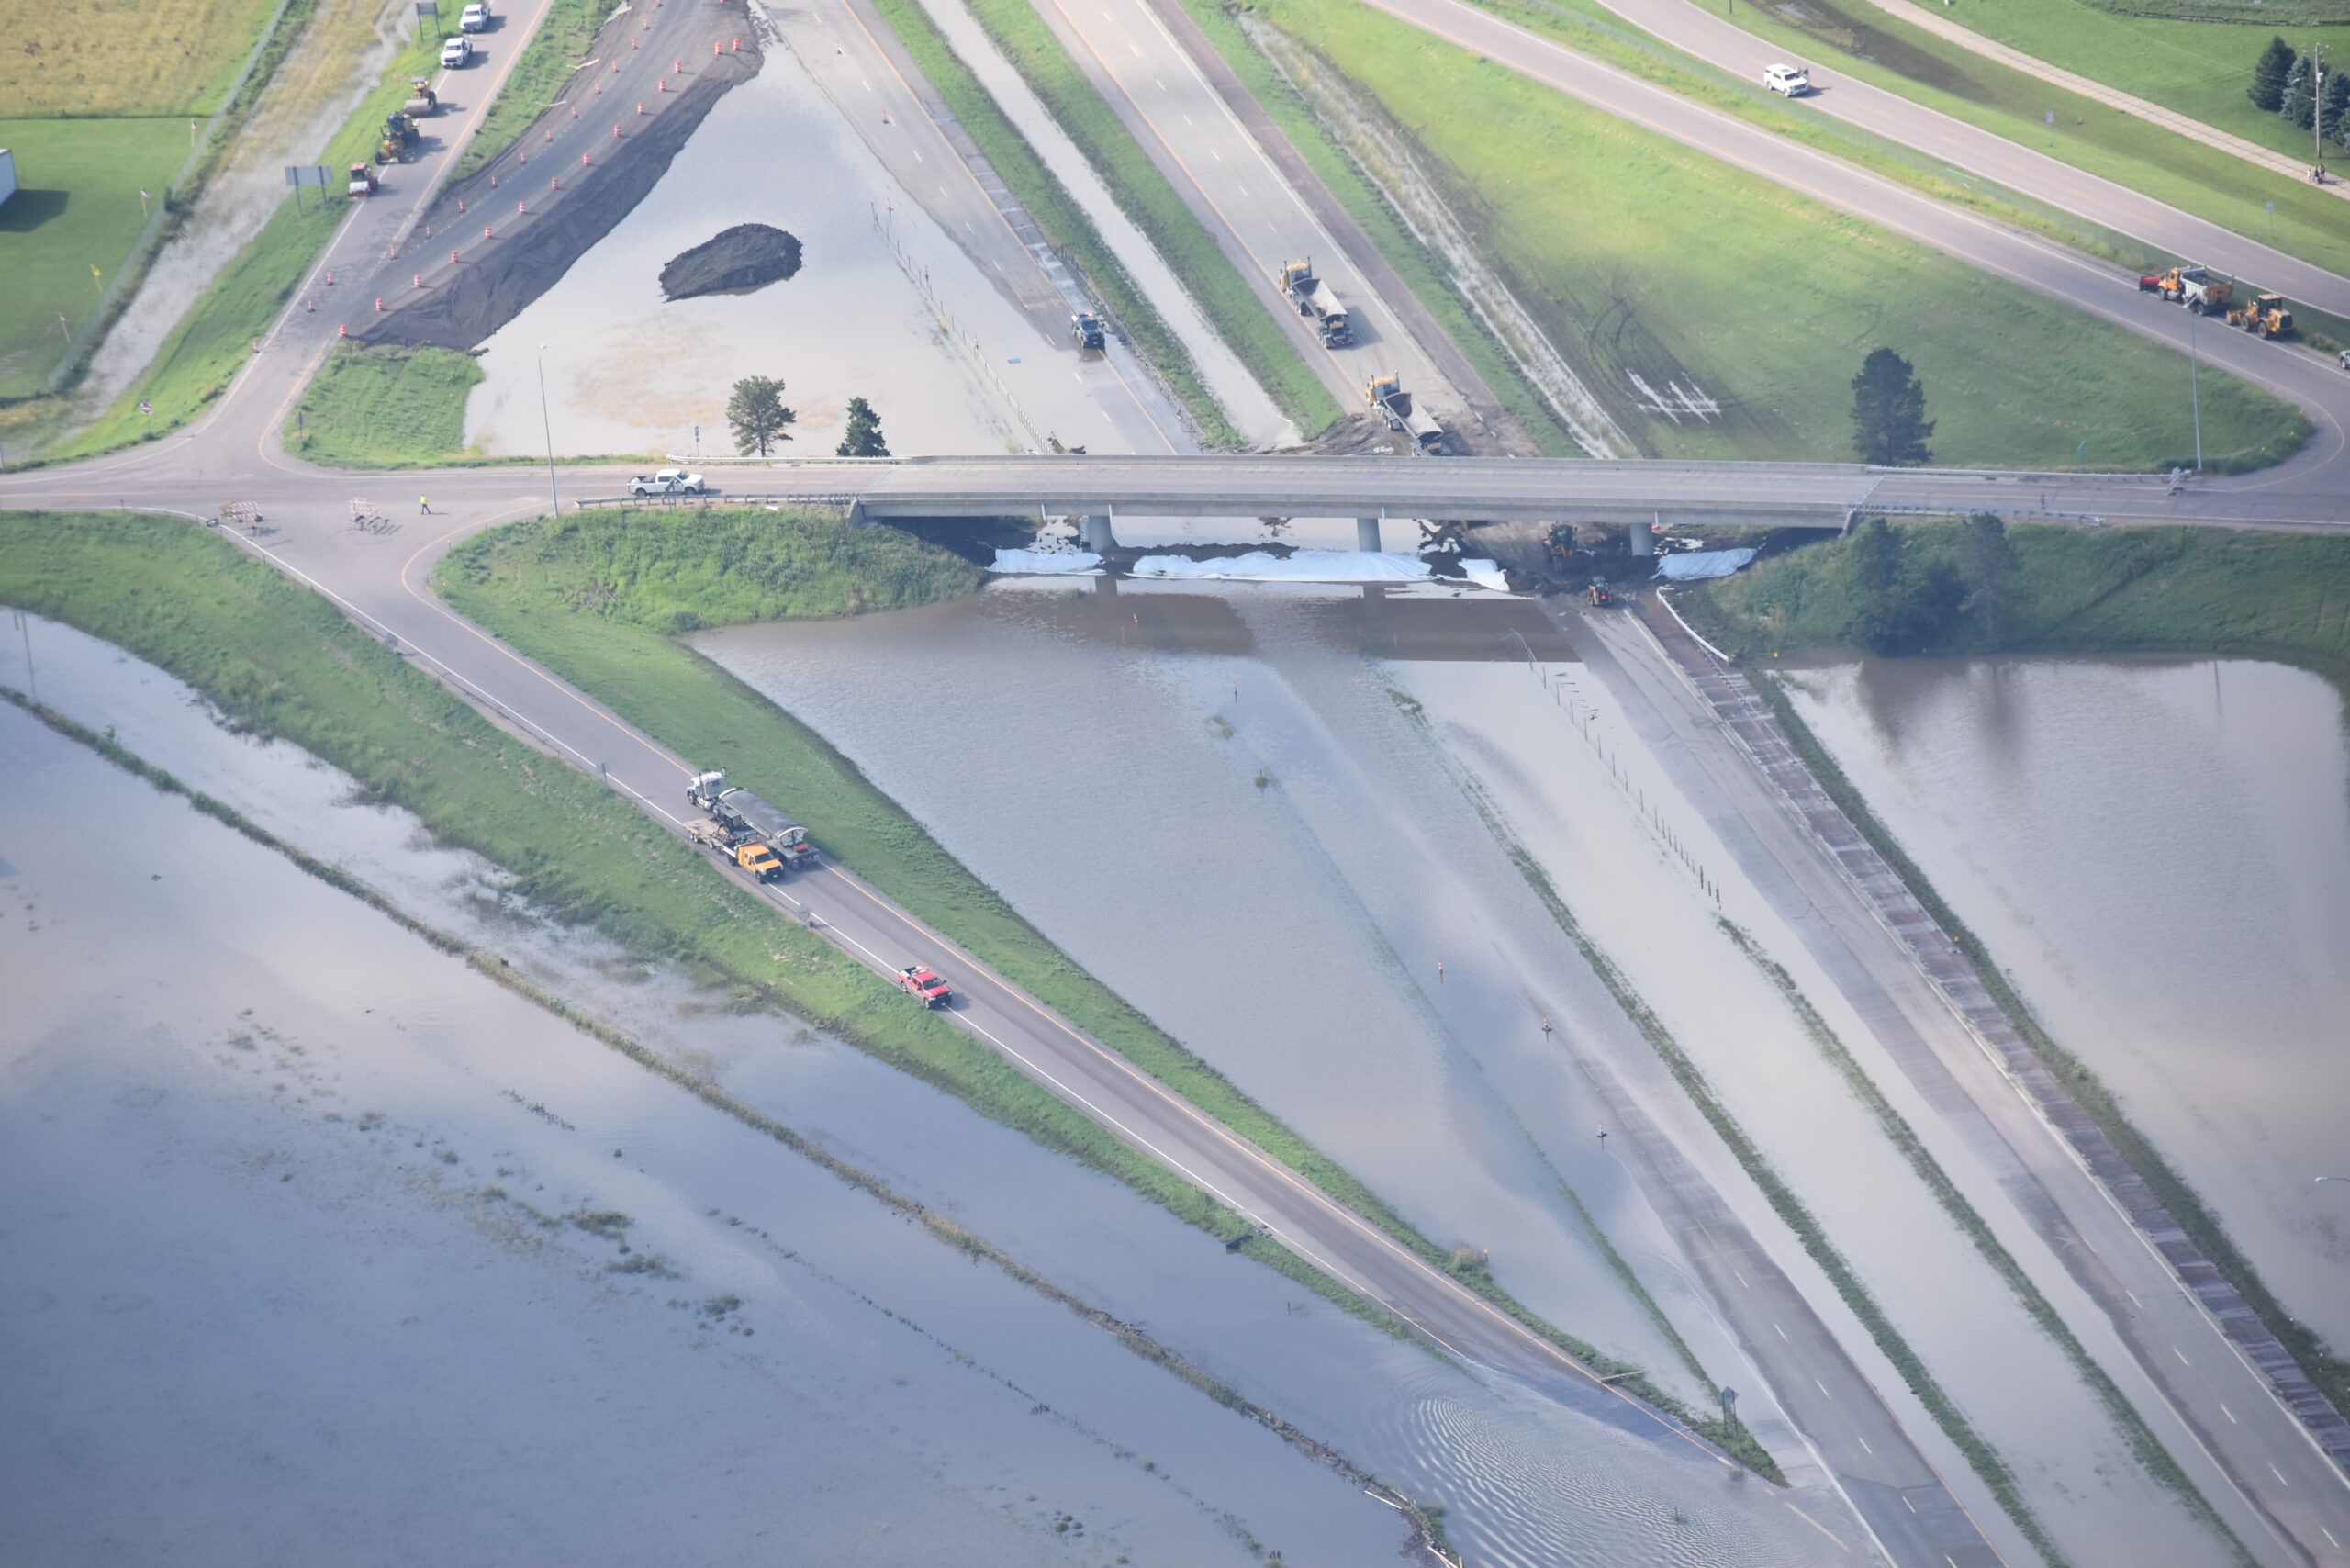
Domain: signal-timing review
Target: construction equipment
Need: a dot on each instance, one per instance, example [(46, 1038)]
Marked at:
[(1599, 593), (922, 981), (2196, 289), (1086, 330), (1561, 540), (751, 854), (422, 99), (1317, 301), (2266, 315), (363, 180), (399, 135), (1387, 394), (745, 819)]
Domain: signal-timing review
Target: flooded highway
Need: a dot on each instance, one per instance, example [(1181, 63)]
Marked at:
[(2158, 852), (288, 1134)]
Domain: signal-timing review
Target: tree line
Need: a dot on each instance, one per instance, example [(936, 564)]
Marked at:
[(2285, 82), (761, 422)]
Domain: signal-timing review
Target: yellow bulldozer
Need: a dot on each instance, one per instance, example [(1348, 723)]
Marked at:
[(2266, 315)]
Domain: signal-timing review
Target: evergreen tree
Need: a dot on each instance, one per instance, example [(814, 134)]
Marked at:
[(1890, 423), (757, 414), (863, 438), (2269, 75), (1900, 605), (2299, 103), (2333, 108), (1989, 566)]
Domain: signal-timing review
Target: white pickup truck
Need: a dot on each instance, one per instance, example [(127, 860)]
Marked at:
[(669, 482)]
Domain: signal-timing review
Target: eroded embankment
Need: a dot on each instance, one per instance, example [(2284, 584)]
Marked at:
[(469, 302)]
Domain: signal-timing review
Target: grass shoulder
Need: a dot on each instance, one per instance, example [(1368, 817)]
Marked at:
[(385, 407)]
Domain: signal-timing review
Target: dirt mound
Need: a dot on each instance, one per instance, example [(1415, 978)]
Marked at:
[(748, 255)]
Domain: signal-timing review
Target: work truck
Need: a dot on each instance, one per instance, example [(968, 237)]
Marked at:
[(739, 819), (1317, 301), (668, 482), (1387, 394)]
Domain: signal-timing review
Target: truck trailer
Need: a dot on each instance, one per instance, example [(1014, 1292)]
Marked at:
[(1387, 394), (1317, 302), (743, 818)]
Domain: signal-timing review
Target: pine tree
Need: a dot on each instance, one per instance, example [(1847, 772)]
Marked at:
[(2333, 108), (863, 438), (1989, 567), (757, 414), (2299, 103), (2268, 73), (1890, 423)]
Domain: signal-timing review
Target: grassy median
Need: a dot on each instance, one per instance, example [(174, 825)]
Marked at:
[(385, 407), (1640, 257)]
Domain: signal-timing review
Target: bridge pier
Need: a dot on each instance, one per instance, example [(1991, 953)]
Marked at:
[(1643, 539), (1094, 533), (1367, 534)]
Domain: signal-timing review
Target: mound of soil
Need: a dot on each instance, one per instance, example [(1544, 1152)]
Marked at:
[(748, 255)]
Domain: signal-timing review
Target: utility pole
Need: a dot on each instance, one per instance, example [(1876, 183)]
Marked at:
[(2317, 110), (2193, 383), (547, 425)]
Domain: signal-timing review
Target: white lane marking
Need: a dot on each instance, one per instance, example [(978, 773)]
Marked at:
[(1908, 1504), (1865, 1445), (2134, 1298), (1822, 1387), (2280, 1476), (2329, 1536), (1742, 1281), (2229, 1414), (2181, 1355), (1782, 1333)]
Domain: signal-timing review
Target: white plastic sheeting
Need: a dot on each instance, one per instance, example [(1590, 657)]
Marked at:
[(1484, 573), (1303, 567), (1047, 563), (1698, 564)]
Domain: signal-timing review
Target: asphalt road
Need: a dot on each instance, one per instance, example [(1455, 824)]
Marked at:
[(2209, 1403), (2024, 170)]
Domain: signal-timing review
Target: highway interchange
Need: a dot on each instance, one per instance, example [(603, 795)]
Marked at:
[(232, 455)]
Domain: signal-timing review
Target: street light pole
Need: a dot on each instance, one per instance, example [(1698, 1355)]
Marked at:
[(547, 425), (2194, 383)]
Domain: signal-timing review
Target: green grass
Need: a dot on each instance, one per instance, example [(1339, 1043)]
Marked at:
[(1422, 272), (1637, 255), (78, 207), (385, 407), (2191, 590), (2198, 69), (116, 57), (199, 359), (1240, 308), (1058, 216), (2109, 142), (538, 79), (592, 596)]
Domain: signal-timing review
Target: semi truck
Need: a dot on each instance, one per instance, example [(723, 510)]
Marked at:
[(742, 819), (1317, 301), (1387, 394)]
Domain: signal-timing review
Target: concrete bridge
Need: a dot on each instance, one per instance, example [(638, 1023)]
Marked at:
[(1717, 494)]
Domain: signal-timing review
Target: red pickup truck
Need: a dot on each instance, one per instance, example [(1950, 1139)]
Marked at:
[(921, 980)]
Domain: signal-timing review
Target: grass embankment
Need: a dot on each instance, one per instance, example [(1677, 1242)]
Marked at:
[(202, 355), (1058, 216), (594, 596), (1639, 256), (1874, 46), (78, 207), (537, 80), (385, 407), (1240, 308), (2197, 68), (1422, 272), (2168, 590)]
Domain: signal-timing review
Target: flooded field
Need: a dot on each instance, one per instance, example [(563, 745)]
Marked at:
[(275, 1173), (2158, 852)]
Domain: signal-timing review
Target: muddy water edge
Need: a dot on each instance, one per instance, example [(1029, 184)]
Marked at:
[(917, 1387)]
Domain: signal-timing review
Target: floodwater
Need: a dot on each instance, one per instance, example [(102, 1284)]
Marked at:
[(628, 372), (263, 1294), (2158, 852)]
